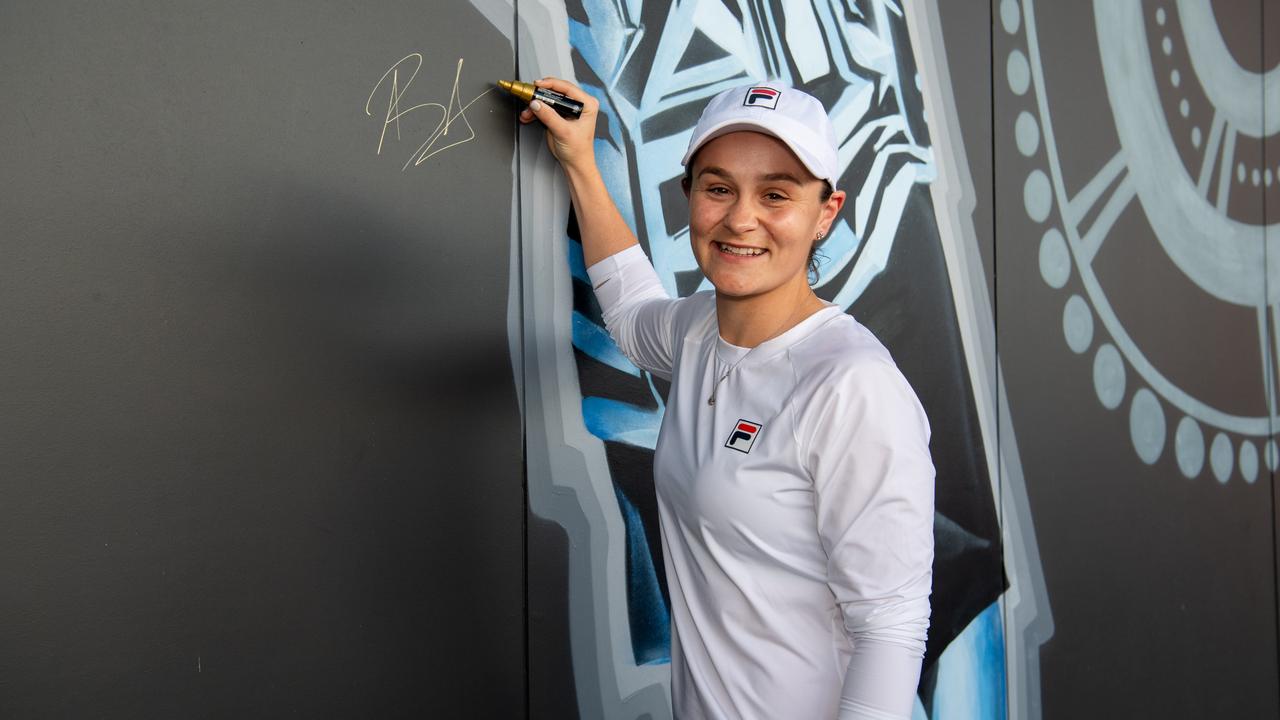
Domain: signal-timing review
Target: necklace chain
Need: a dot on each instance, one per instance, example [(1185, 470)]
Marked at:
[(778, 331), (716, 388)]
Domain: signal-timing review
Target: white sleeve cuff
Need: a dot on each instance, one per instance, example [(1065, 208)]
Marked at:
[(626, 269)]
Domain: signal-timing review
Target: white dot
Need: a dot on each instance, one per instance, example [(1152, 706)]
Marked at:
[(1077, 324), (1160, 16), (1248, 461), (1027, 133), (1256, 177), (1240, 172), (1188, 446), (1195, 138), (1266, 177), (1146, 426), (1009, 16), (1220, 458), (1175, 77), (1055, 258), (1167, 46), (1184, 108), (1270, 453), (1019, 72), (1108, 376), (1037, 196)]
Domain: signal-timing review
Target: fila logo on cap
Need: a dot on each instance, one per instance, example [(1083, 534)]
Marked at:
[(743, 436), (760, 96)]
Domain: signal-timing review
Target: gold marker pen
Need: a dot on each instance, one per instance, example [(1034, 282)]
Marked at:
[(562, 104)]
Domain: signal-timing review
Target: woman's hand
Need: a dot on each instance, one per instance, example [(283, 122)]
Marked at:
[(572, 141)]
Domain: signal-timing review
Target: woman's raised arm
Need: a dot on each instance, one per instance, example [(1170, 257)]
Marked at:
[(572, 142)]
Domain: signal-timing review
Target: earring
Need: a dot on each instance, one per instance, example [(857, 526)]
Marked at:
[(820, 236)]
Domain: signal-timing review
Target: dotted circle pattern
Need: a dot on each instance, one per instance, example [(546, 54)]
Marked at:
[(1147, 423)]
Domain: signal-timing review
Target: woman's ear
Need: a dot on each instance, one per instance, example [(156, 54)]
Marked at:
[(686, 185), (831, 210)]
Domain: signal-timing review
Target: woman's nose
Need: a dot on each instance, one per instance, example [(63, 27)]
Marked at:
[(741, 216)]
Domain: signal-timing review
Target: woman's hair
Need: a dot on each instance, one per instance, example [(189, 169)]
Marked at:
[(825, 195)]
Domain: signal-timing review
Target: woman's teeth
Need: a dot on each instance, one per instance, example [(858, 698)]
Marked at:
[(731, 250)]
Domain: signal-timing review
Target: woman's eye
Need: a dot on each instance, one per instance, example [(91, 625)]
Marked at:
[(775, 197)]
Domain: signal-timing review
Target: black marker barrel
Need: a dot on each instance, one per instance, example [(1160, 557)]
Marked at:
[(562, 104)]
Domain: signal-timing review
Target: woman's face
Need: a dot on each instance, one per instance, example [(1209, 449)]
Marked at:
[(754, 212)]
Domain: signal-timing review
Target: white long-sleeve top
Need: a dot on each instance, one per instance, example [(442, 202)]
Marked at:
[(796, 512)]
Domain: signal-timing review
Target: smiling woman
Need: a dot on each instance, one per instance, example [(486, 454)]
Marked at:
[(794, 483)]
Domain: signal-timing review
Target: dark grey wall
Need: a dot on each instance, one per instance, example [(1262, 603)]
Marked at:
[(260, 449), (259, 439)]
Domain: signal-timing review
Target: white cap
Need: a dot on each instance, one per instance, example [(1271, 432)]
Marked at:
[(793, 116)]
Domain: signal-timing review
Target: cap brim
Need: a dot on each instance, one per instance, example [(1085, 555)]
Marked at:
[(739, 125)]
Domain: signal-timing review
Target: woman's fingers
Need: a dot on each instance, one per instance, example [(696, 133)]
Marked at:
[(564, 87), (548, 117), (568, 89)]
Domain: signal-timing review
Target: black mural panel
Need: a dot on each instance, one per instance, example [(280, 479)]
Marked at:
[(1136, 338), (259, 438)]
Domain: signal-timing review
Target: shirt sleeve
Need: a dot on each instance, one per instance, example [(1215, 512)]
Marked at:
[(873, 482), (638, 313)]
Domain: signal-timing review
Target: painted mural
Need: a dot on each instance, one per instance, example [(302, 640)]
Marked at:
[(1183, 167), (1133, 193), (1135, 134), (653, 65), (1189, 114)]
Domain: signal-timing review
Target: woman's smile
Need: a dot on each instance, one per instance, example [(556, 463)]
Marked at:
[(739, 251)]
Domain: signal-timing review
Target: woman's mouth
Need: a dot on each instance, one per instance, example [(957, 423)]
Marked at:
[(739, 251)]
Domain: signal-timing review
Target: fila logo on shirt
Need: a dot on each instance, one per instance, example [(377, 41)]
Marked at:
[(743, 436), (761, 96)]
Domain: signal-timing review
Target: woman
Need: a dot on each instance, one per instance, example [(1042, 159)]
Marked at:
[(792, 470)]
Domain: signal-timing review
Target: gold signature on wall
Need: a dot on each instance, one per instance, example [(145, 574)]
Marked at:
[(392, 79)]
